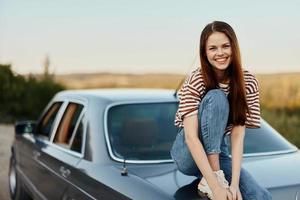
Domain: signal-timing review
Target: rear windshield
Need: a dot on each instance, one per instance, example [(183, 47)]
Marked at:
[(142, 131), (146, 131), (265, 139)]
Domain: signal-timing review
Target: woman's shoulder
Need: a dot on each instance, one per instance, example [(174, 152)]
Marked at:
[(195, 75), (251, 81), (196, 72)]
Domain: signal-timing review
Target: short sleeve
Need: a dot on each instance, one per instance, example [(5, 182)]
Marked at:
[(252, 97), (189, 97)]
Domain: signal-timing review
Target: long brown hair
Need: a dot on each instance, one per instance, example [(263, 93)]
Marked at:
[(237, 95)]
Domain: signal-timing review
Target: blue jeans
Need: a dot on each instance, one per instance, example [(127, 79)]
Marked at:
[(212, 117)]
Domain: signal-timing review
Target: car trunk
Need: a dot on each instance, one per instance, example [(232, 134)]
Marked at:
[(275, 172)]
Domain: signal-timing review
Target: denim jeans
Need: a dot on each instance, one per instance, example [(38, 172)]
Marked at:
[(212, 117)]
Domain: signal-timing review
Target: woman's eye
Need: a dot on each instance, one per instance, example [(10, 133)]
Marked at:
[(227, 46), (212, 48)]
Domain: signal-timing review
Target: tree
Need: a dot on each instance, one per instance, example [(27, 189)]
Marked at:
[(23, 98)]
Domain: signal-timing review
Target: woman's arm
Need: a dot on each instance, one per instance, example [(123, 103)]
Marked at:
[(237, 146), (198, 153)]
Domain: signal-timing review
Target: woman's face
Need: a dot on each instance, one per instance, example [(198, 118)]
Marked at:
[(218, 51)]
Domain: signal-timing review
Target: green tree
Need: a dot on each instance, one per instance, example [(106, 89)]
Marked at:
[(23, 98)]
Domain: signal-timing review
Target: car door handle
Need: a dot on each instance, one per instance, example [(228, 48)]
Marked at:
[(64, 171), (36, 154)]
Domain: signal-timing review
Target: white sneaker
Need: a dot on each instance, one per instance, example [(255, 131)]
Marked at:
[(221, 179), (204, 188)]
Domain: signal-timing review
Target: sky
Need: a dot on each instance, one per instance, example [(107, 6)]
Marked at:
[(139, 36)]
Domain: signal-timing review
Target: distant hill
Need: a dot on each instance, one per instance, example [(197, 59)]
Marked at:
[(107, 80), (276, 90)]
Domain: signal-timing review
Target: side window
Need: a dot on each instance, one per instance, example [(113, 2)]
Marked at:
[(77, 141), (45, 126), (68, 125)]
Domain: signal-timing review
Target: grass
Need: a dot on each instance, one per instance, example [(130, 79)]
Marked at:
[(280, 91)]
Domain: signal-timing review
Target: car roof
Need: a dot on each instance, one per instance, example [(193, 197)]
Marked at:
[(122, 94)]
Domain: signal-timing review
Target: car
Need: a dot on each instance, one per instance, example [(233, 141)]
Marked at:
[(115, 144)]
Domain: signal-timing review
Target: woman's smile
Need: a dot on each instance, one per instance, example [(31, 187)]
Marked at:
[(221, 60)]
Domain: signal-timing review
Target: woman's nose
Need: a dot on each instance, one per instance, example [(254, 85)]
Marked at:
[(220, 51)]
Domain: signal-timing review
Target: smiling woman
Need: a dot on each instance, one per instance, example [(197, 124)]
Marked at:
[(221, 99)]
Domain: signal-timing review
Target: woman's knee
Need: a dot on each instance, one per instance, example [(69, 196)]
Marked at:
[(216, 102), (216, 92), (217, 96)]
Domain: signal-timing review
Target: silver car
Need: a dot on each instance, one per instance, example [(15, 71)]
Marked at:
[(115, 144)]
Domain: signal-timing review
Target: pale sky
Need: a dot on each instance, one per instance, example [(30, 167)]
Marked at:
[(142, 36)]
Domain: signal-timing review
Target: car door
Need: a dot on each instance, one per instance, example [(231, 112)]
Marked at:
[(82, 186), (77, 146), (57, 160), (30, 148)]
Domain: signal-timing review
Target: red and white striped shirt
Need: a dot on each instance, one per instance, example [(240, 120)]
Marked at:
[(193, 90)]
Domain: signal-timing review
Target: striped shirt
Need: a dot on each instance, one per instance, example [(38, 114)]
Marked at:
[(193, 90)]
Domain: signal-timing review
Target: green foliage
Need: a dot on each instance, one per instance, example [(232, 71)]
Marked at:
[(23, 98), (280, 103), (285, 121)]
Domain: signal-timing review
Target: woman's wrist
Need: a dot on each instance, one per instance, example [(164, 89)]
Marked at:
[(234, 184), (213, 183)]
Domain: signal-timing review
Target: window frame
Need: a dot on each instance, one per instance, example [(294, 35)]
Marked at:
[(75, 128), (65, 100), (80, 118)]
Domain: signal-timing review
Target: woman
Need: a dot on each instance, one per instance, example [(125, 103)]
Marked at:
[(216, 103)]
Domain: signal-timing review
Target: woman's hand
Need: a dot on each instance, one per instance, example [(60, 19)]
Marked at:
[(222, 194), (236, 193)]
